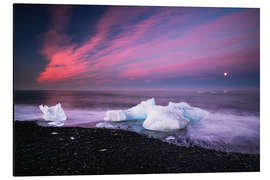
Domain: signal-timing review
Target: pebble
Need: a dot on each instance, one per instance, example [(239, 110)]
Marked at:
[(169, 138)]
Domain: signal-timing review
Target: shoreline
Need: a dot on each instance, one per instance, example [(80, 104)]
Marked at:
[(45, 151)]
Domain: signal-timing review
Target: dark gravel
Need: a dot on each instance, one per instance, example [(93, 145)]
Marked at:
[(40, 151)]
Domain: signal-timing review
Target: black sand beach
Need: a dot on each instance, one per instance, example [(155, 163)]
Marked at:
[(40, 151)]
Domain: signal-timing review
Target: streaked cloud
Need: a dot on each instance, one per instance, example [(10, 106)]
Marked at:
[(152, 44)]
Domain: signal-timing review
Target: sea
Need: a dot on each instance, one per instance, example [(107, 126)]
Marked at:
[(233, 124)]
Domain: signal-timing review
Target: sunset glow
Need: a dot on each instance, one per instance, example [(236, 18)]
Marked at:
[(119, 46)]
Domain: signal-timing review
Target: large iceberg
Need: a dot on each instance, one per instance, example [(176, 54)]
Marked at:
[(137, 112), (55, 114), (159, 118)]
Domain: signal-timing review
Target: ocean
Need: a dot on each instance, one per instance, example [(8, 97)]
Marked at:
[(233, 124)]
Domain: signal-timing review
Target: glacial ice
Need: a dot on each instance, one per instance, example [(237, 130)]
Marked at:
[(158, 118), (55, 114), (193, 114), (170, 138), (137, 112), (105, 125), (164, 118)]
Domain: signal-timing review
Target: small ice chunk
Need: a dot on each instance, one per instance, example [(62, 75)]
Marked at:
[(137, 112), (160, 118), (170, 138), (55, 114), (72, 138), (56, 123), (102, 150), (115, 115), (105, 125), (54, 133)]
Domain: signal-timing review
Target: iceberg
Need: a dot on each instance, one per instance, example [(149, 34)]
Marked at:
[(55, 114), (137, 112), (193, 114), (160, 118)]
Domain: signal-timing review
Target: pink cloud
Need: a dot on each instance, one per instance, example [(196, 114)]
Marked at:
[(67, 60), (146, 50)]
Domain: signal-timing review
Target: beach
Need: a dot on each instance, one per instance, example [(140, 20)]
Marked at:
[(109, 89), (45, 151)]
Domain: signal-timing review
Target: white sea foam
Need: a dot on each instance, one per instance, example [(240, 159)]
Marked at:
[(227, 132), (26, 113)]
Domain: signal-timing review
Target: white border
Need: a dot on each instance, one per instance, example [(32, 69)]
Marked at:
[(208, 3), (6, 85)]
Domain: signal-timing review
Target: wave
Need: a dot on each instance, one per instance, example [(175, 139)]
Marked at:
[(75, 117), (219, 130)]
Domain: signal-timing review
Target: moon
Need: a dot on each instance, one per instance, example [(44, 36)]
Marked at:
[(225, 74)]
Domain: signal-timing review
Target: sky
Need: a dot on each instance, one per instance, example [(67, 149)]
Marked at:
[(122, 47)]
